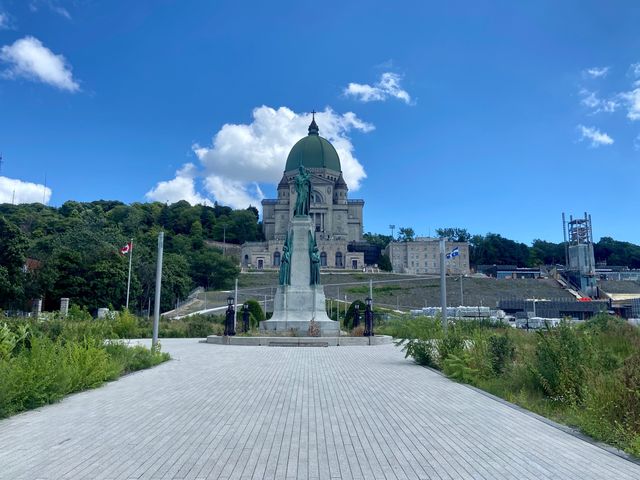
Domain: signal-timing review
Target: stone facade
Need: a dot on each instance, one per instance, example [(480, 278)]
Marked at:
[(336, 219), (422, 256)]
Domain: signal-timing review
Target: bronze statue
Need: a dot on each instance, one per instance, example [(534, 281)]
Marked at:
[(285, 262), (314, 256), (303, 190)]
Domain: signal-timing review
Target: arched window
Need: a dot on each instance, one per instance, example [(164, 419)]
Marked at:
[(323, 259), (339, 263), (276, 259), (246, 260), (316, 197)]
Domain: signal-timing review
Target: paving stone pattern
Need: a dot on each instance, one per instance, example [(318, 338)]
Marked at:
[(226, 412)]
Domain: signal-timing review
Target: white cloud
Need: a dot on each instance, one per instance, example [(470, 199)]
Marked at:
[(53, 5), (632, 101), (591, 100), (388, 86), (17, 191), (182, 187), (234, 193), (241, 156), (594, 135), (597, 72), (29, 58)]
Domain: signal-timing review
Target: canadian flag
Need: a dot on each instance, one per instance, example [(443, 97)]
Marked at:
[(127, 248)]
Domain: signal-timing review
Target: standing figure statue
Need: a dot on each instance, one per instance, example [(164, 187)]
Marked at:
[(285, 262), (314, 256), (303, 191)]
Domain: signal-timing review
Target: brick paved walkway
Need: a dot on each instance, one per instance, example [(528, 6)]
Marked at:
[(267, 412)]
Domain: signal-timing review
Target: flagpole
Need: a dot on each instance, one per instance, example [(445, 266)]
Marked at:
[(443, 285), (129, 278)]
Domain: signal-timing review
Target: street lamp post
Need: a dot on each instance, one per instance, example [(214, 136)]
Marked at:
[(229, 329), (368, 319)]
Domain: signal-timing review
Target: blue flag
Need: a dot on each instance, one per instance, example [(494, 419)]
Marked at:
[(453, 253)]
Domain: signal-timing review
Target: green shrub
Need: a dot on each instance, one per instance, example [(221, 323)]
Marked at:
[(559, 363), (452, 343), (254, 309), (479, 356), (424, 352), (77, 314), (502, 350), (40, 364), (199, 327), (456, 367), (126, 325), (136, 357)]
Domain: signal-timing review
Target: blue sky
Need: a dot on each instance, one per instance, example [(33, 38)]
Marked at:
[(493, 116)]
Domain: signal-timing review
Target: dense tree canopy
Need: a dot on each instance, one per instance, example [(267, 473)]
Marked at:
[(74, 251)]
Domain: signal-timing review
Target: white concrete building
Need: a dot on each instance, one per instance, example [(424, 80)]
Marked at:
[(422, 256)]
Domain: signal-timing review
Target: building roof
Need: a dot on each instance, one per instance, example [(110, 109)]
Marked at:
[(340, 183), (313, 151)]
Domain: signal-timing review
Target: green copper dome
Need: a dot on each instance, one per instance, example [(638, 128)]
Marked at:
[(313, 151)]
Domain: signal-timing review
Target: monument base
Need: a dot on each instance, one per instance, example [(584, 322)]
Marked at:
[(295, 307)]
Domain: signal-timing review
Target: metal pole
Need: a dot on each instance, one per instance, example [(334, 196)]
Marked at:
[(461, 293), (235, 307), (345, 308), (443, 286), (156, 308), (338, 305), (129, 277), (371, 289)]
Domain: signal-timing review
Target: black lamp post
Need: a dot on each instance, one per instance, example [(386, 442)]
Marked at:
[(368, 319), (245, 317), (356, 315), (229, 319)]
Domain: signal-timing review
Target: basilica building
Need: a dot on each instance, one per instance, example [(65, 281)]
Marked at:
[(337, 219)]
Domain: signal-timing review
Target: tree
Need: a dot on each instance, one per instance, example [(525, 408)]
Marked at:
[(209, 268), (493, 249), (546, 253), (13, 247), (454, 234), (348, 319), (384, 263), (377, 239), (406, 234)]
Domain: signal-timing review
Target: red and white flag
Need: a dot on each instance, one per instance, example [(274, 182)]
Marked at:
[(127, 248)]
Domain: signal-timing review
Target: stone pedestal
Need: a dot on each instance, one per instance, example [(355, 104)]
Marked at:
[(297, 304)]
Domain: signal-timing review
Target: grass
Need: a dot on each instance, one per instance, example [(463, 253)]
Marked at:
[(586, 376), (41, 362)]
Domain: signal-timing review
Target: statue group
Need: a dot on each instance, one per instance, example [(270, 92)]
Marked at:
[(303, 200), (299, 303)]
